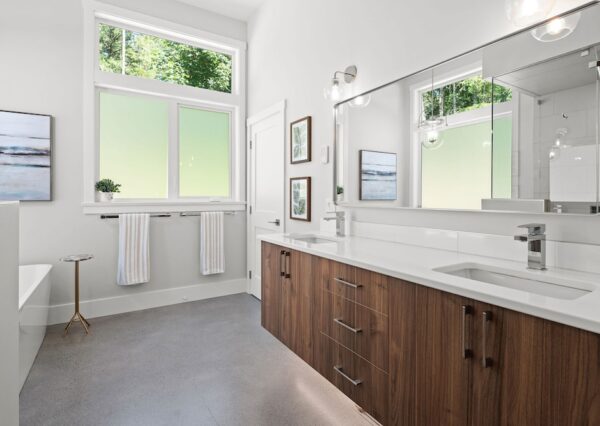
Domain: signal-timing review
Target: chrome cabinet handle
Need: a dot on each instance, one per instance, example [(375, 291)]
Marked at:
[(287, 264), (485, 361), (466, 310), (347, 283), (282, 263), (346, 326), (338, 369), (277, 222)]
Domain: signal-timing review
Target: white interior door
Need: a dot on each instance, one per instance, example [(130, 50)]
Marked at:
[(266, 183)]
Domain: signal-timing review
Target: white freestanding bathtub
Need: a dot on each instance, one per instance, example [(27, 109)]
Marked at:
[(34, 301)]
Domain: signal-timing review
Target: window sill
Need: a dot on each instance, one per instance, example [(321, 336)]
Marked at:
[(117, 206)]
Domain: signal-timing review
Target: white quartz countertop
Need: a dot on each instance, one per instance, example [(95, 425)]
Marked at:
[(416, 264)]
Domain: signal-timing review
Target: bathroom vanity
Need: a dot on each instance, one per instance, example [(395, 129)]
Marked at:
[(412, 345)]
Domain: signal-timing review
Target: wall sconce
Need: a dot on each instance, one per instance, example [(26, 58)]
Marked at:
[(336, 91)]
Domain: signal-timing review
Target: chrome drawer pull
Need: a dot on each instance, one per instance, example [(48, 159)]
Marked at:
[(485, 361), (338, 369), (466, 352), (346, 326), (349, 284), (282, 263)]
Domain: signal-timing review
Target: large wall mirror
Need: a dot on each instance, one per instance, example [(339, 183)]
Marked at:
[(512, 126)]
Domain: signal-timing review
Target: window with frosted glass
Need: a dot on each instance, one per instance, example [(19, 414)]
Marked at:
[(457, 174), (134, 140), (137, 54), (204, 153)]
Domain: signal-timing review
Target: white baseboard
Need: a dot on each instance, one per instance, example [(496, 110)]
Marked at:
[(60, 314)]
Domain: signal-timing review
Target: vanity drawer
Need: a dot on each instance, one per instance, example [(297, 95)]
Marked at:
[(356, 327), (364, 287), (361, 381)]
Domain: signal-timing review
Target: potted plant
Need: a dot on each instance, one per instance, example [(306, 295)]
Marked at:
[(340, 193), (106, 188)]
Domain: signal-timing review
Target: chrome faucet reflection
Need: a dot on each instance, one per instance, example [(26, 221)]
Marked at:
[(340, 222), (536, 245)]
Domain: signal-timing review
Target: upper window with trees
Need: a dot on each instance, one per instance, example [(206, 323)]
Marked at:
[(133, 53), (463, 95)]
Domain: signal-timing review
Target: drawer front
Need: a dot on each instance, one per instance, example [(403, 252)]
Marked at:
[(364, 287), (356, 327), (362, 382)]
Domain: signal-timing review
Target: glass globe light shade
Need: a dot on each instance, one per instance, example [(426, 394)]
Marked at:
[(360, 101), (557, 28), (527, 12), (335, 92)]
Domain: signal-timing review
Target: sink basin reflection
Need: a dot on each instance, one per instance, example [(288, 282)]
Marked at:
[(537, 283), (311, 239)]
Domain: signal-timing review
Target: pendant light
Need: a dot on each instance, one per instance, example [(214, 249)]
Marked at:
[(557, 28), (429, 127), (527, 12)]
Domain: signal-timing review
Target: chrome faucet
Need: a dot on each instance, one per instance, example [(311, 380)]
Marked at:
[(340, 222), (536, 245)]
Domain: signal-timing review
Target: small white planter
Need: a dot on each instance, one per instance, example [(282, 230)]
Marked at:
[(105, 197)]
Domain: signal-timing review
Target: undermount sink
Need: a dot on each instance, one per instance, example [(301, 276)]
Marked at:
[(311, 239), (537, 283)]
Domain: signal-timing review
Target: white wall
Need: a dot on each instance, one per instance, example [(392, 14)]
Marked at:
[(296, 45), (41, 47), (9, 318)]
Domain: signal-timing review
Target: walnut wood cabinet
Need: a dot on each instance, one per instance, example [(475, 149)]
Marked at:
[(287, 297), (413, 355)]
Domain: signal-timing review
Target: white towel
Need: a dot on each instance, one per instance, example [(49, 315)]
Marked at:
[(212, 244), (134, 249)]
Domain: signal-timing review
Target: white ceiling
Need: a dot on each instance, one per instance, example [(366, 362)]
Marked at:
[(237, 9)]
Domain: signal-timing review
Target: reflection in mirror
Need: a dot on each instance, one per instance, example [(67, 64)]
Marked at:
[(511, 126), (555, 103)]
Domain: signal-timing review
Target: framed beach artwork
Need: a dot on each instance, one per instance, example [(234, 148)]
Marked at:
[(378, 176), (25, 160), (300, 198), (300, 140)]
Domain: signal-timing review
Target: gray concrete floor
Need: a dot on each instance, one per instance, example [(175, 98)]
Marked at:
[(198, 363)]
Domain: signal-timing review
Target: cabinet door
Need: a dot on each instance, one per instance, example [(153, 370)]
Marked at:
[(487, 364), (442, 389), (272, 258), (402, 320), (549, 372), (296, 304)]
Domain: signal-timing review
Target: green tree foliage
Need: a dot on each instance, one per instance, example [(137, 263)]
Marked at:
[(464, 95), (165, 60)]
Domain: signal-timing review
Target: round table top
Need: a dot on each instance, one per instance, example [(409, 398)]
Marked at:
[(77, 258)]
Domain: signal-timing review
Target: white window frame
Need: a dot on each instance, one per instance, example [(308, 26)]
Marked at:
[(458, 119), (95, 81)]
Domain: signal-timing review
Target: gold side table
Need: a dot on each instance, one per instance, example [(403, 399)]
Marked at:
[(77, 315)]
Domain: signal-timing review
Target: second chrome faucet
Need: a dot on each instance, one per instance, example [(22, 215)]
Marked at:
[(536, 245)]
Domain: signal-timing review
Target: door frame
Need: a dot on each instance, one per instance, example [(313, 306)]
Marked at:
[(277, 108)]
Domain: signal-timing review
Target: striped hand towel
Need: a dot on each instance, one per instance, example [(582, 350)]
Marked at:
[(134, 249), (212, 244)]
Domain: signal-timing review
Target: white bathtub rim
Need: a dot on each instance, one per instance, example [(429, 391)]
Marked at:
[(32, 287)]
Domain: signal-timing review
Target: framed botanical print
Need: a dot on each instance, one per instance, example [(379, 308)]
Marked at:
[(300, 140), (378, 176), (25, 160), (300, 198)]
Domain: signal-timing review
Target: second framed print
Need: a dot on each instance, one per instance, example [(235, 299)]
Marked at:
[(300, 140), (300, 198)]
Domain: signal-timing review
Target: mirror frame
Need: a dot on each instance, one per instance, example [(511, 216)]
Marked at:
[(345, 101)]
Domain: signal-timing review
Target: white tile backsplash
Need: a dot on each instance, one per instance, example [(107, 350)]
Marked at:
[(489, 245)]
